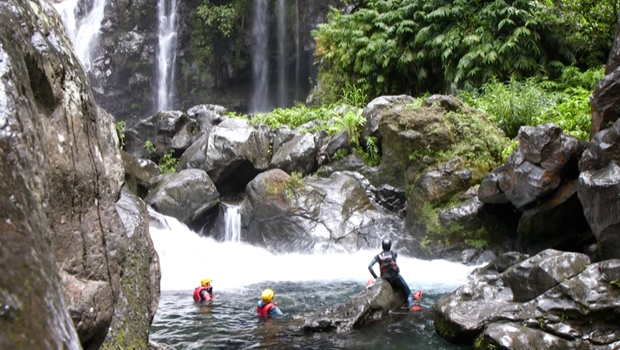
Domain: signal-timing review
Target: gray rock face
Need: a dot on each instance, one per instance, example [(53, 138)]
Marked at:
[(166, 130), (61, 175), (599, 187), (605, 102), (232, 152), (296, 155), (28, 265), (535, 168), (375, 109), (286, 214), (372, 304), (567, 299), (186, 195), (139, 296), (138, 174), (547, 269)]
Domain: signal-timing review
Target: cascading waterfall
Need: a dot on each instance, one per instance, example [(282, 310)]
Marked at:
[(166, 52), (260, 59), (297, 52), (84, 33), (232, 221), (179, 248), (281, 53)]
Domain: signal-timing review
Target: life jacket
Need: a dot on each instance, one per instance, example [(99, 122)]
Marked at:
[(264, 311), (387, 265), (199, 290)]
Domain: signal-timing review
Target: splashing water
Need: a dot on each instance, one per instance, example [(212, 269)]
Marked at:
[(303, 283), (83, 33)]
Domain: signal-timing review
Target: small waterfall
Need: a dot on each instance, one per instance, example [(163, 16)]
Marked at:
[(180, 250), (166, 52), (232, 221), (260, 59), (297, 53), (84, 33), (281, 54)]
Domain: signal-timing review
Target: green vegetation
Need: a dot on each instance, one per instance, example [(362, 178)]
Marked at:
[(413, 46), (615, 282), (167, 162), (532, 102), (436, 233), (120, 131)]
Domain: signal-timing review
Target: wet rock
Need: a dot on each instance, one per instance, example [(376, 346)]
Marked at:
[(232, 153), (296, 155), (371, 305), (186, 195), (536, 167), (489, 190), (138, 174), (285, 214), (373, 112), (605, 101)]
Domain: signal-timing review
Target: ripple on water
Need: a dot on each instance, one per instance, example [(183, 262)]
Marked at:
[(230, 322)]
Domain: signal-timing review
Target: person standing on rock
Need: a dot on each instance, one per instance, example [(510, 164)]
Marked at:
[(391, 273)]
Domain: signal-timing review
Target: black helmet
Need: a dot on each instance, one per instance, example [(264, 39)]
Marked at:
[(386, 244)]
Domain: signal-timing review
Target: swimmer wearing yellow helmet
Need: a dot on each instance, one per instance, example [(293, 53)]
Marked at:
[(266, 306), (205, 291)]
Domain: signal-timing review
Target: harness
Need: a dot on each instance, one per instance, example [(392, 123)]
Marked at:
[(387, 264), (264, 311)]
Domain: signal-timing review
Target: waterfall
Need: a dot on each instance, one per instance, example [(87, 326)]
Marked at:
[(260, 59), (297, 52), (83, 33), (185, 257), (281, 54), (232, 221), (166, 52)]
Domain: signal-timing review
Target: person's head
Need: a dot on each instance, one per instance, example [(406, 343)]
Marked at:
[(386, 244), (267, 295), (205, 282)]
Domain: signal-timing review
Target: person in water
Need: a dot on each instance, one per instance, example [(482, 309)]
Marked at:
[(391, 273), (205, 291), (266, 306)]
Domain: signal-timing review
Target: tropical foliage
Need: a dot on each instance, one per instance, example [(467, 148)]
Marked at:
[(534, 101), (414, 46)]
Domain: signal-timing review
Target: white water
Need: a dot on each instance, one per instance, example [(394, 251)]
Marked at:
[(232, 219), (297, 52), (281, 53), (83, 33), (260, 59), (186, 258), (166, 52)]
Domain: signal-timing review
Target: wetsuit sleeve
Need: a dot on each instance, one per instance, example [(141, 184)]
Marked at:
[(210, 290), (275, 311), (374, 261)]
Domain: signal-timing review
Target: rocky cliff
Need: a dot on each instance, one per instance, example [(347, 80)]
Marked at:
[(65, 253)]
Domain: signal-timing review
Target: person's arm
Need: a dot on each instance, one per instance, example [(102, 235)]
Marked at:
[(372, 263), (275, 310)]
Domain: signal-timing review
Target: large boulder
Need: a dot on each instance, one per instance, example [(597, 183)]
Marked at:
[(544, 156), (557, 294), (187, 195), (373, 112), (139, 295), (138, 173), (61, 174), (372, 304), (289, 214), (296, 155), (232, 153), (599, 187)]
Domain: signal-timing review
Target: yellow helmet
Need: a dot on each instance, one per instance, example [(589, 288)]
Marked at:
[(205, 282), (267, 295)]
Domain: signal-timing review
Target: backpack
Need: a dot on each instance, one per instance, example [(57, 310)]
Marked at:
[(388, 265)]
